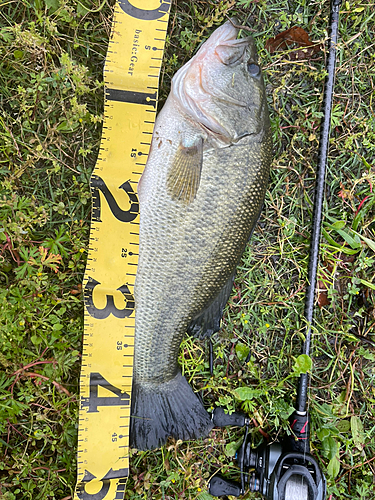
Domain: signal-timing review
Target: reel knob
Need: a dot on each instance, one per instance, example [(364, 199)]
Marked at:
[(222, 419), (219, 487)]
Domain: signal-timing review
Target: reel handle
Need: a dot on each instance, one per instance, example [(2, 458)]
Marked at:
[(219, 487), (222, 419)]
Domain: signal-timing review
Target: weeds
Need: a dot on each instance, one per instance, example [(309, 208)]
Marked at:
[(51, 59), (50, 129)]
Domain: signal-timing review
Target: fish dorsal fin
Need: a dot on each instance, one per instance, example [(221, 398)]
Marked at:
[(185, 173)]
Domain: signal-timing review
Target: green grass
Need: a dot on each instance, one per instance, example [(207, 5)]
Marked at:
[(51, 59)]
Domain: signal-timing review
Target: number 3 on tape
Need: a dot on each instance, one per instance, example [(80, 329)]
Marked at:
[(132, 67)]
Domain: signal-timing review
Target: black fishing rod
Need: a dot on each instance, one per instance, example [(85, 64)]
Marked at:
[(286, 470)]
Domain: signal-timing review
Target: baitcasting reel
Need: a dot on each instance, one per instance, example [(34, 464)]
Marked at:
[(280, 471)]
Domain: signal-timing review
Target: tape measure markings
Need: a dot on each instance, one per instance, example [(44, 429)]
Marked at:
[(131, 97), (108, 346)]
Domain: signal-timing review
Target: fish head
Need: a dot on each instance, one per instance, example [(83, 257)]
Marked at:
[(222, 89)]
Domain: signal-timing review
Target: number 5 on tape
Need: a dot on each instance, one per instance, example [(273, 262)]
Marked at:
[(131, 74)]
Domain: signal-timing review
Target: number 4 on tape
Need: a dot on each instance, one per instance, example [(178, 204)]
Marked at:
[(93, 401)]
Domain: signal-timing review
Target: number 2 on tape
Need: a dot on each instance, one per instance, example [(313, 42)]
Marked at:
[(122, 215)]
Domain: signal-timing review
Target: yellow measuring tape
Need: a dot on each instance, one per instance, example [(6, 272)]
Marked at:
[(131, 77)]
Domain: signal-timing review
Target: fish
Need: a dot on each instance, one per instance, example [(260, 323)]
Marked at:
[(200, 195)]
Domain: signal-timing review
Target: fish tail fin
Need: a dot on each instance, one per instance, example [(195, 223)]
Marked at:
[(163, 410)]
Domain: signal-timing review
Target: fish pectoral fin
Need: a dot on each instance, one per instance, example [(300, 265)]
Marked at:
[(185, 174), (208, 321)]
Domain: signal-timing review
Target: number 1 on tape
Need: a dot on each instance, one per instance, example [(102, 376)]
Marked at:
[(131, 76)]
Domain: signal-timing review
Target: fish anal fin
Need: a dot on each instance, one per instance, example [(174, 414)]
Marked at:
[(208, 321), (185, 174)]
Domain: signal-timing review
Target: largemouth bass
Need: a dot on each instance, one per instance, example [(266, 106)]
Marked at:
[(200, 196)]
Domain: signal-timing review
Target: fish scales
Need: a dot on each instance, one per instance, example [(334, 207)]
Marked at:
[(223, 218), (200, 196)]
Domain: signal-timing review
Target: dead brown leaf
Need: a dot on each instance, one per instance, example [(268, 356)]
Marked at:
[(293, 38), (77, 289), (323, 299)]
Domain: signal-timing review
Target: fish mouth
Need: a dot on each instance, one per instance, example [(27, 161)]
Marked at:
[(226, 32), (195, 89), (223, 139)]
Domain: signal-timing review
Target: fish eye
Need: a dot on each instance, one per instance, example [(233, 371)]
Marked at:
[(253, 69)]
